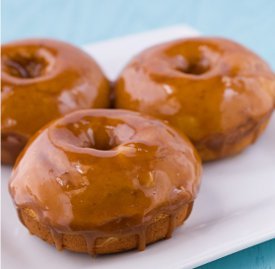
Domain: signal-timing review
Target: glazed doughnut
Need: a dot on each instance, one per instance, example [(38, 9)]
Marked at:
[(105, 181), (42, 80), (214, 90)]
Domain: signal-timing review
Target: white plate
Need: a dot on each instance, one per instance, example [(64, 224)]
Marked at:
[(235, 208)]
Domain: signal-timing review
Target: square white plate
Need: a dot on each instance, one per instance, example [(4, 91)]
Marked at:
[(235, 208)]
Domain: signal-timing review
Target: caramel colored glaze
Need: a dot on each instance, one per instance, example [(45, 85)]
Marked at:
[(102, 173), (214, 90), (42, 80)]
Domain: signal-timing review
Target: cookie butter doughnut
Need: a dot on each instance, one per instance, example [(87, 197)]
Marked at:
[(214, 90), (42, 80), (105, 181)]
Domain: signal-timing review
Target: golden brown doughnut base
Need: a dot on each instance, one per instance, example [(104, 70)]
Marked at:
[(11, 146), (225, 145), (157, 230)]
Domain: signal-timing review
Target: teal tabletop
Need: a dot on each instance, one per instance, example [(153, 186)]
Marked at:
[(252, 23)]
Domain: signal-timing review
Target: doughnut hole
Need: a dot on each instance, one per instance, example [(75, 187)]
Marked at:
[(97, 133), (194, 59), (196, 66), (28, 64), (100, 138)]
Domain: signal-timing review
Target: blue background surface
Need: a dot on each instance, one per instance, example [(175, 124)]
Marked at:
[(84, 21)]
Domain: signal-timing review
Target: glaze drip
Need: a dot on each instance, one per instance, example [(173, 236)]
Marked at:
[(141, 236), (57, 239), (91, 239), (172, 225)]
